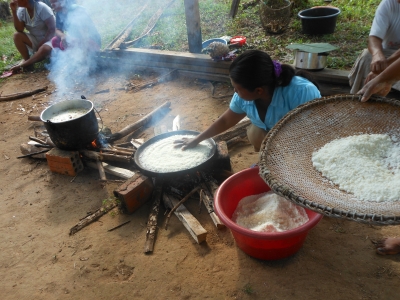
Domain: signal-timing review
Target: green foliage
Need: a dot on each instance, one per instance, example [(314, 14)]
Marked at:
[(248, 289), (8, 53), (170, 33)]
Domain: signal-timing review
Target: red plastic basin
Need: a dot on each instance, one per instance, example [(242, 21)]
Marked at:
[(261, 245)]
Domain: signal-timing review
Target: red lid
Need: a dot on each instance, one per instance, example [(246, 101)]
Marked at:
[(238, 39)]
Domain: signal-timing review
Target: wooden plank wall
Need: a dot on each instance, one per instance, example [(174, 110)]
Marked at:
[(198, 63)]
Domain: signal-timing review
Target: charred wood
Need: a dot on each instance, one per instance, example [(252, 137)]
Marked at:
[(178, 204), (153, 219), (92, 217), (143, 121)]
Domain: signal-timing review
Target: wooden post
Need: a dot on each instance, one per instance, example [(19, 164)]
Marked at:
[(193, 25), (234, 8)]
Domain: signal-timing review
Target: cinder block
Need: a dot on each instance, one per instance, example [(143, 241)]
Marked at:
[(64, 162), (134, 192)]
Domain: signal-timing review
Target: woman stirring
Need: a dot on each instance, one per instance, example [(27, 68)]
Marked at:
[(265, 91)]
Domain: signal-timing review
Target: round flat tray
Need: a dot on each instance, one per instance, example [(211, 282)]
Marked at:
[(285, 158), (173, 173)]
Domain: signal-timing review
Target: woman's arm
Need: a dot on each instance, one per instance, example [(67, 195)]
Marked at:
[(224, 122), (18, 25), (51, 30), (379, 61), (381, 84)]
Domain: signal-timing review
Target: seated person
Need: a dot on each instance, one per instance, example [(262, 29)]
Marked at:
[(383, 46), (74, 27), (38, 19), (379, 85), (265, 91)]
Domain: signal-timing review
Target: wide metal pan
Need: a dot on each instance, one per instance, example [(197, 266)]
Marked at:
[(151, 141)]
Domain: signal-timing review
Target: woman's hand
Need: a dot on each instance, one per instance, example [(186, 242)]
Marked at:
[(13, 5), (186, 143), (374, 87)]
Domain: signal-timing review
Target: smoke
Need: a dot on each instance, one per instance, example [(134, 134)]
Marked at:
[(74, 70)]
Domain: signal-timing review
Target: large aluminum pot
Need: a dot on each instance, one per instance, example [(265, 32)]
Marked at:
[(310, 61), (71, 124)]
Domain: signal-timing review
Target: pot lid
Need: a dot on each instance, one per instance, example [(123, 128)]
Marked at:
[(312, 47)]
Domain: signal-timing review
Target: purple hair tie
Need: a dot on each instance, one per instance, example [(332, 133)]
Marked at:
[(277, 68)]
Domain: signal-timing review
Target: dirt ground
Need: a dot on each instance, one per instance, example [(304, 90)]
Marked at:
[(39, 260)]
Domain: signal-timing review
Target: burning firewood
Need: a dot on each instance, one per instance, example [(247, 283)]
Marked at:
[(106, 157)]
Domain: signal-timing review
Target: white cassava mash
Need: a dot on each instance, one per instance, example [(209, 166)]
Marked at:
[(68, 115), (367, 165), (268, 212), (162, 156)]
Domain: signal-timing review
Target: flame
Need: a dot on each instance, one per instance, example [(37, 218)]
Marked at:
[(94, 144)]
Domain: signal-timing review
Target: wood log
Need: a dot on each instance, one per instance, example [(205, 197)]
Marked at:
[(149, 27), (146, 119), (117, 151), (165, 77), (106, 156), (179, 203), (32, 151), (118, 226), (188, 220), (21, 95), (237, 139), (153, 218), (192, 13), (102, 172), (48, 141), (208, 200), (34, 118), (92, 217), (234, 8), (124, 34), (153, 58), (236, 130), (116, 171)]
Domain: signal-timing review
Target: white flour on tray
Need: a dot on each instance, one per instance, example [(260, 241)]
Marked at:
[(367, 165), (163, 157), (268, 212)]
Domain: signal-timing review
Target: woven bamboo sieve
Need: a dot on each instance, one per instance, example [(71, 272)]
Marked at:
[(285, 157)]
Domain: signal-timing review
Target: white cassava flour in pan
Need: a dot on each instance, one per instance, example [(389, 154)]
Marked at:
[(163, 157), (367, 165), (268, 212)]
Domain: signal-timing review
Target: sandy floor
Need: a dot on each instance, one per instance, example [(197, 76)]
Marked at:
[(39, 260)]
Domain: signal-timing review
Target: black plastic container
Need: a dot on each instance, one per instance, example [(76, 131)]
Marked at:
[(319, 19)]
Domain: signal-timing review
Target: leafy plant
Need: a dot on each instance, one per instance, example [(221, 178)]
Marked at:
[(248, 289)]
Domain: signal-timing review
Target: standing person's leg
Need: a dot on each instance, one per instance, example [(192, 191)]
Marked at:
[(256, 135)]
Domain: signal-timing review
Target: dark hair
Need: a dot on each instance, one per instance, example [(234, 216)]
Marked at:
[(254, 68)]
